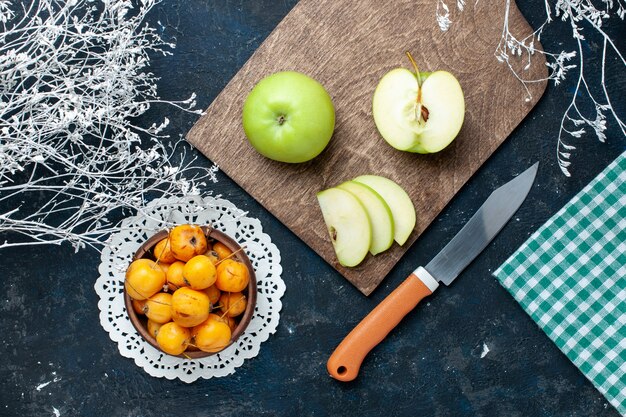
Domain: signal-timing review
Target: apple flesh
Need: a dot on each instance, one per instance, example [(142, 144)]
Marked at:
[(378, 212), (348, 225), (402, 208), (367, 213), (288, 117), (418, 119)]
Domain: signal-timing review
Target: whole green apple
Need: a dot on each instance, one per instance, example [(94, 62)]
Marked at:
[(289, 117)]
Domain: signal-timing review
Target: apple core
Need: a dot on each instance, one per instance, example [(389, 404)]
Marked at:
[(418, 111)]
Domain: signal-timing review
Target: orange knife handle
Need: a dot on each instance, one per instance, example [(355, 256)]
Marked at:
[(346, 360)]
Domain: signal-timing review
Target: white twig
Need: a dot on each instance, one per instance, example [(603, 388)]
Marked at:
[(73, 76), (582, 15)]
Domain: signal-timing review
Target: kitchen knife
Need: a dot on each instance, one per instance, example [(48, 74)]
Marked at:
[(484, 225)]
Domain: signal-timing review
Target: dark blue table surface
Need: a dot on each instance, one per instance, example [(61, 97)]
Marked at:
[(430, 364)]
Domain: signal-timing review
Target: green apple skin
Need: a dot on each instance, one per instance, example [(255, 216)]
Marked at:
[(378, 212), (393, 108), (348, 225), (402, 208), (289, 117)]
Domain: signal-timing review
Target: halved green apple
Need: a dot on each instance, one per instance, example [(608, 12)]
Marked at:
[(402, 208), (418, 111), (378, 212), (348, 225)]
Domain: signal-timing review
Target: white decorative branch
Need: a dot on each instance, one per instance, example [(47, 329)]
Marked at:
[(73, 76), (581, 15)]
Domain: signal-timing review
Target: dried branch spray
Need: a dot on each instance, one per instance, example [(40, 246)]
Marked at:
[(578, 13), (73, 77)]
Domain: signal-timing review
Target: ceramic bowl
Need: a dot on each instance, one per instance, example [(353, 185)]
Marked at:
[(140, 322)]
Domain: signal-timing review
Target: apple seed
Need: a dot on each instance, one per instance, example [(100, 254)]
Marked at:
[(424, 113), (333, 234)]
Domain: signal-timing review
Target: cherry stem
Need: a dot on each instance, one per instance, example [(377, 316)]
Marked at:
[(214, 347), (136, 290), (167, 244), (230, 256), (231, 304), (158, 302)]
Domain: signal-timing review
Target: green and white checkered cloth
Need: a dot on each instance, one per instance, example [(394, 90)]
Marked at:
[(570, 277)]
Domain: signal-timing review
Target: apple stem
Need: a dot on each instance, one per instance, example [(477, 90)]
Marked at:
[(418, 100), (417, 72)]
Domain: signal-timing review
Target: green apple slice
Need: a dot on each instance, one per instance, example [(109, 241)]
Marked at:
[(443, 97), (402, 208), (348, 225), (378, 212), (394, 110)]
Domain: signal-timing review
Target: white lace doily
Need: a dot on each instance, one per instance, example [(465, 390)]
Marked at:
[(158, 215)]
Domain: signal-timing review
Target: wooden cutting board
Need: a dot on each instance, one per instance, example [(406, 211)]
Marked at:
[(348, 46)]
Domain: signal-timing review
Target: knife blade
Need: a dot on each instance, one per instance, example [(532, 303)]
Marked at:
[(445, 267)]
